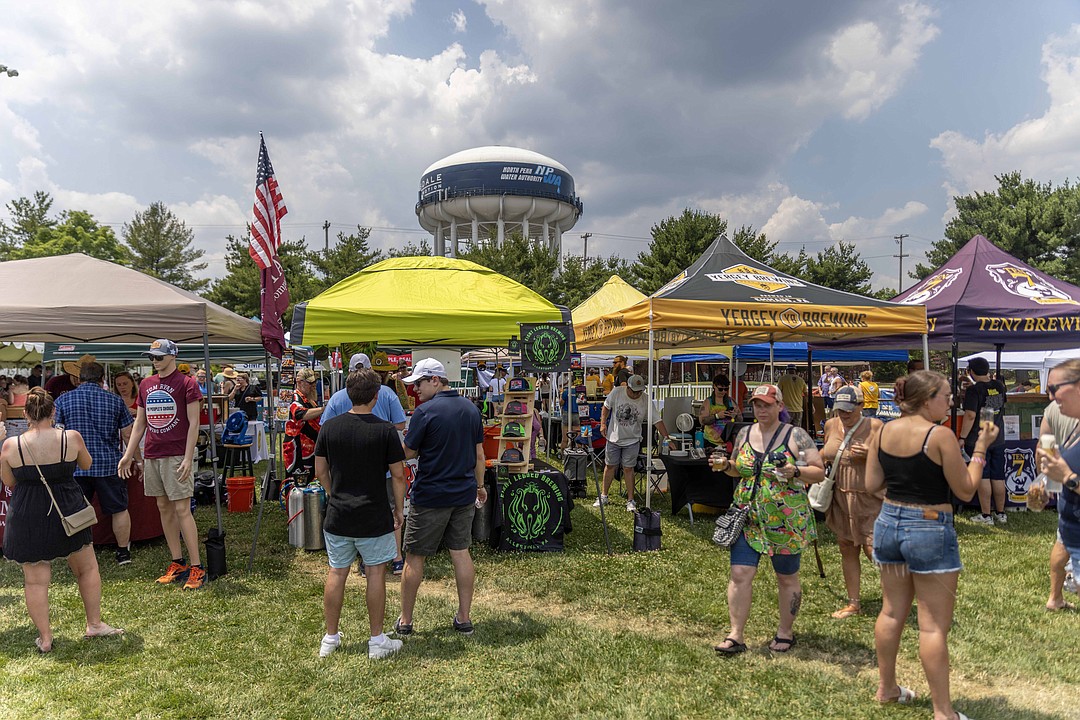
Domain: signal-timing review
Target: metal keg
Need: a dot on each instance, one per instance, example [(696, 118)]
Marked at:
[(295, 509), (314, 500)]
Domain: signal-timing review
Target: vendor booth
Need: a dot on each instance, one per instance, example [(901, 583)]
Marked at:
[(78, 299)]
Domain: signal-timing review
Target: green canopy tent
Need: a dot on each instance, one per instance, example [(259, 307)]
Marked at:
[(410, 301), (20, 354)]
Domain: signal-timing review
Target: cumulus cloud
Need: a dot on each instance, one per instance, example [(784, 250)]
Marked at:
[(1046, 148), (458, 21)]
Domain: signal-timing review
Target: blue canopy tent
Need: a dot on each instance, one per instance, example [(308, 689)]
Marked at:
[(789, 352)]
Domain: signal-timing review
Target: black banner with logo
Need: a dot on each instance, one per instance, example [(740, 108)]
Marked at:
[(545, 347), (534, 510)]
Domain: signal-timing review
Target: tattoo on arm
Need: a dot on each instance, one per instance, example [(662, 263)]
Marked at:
[(796, 603), (802, 439)]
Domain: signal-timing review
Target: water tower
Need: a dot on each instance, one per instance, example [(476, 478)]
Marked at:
[(473, 192)]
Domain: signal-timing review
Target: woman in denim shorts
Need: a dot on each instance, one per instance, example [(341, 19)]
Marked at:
[(915, 546)]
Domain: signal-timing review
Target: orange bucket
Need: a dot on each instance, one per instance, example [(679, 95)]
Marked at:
[(491, 441), (241, 493)]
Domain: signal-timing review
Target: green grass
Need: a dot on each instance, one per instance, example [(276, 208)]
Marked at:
[(575, 634)]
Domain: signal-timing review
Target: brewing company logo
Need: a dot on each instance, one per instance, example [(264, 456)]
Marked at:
[(1019, 470), (672, 284), (1026, 284), (533, 510), (755, 279), (161, 414), (545, 347), (933, 286), (791, 318)]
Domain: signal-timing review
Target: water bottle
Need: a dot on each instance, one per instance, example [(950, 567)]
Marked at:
[(699, 439), (801, 462)]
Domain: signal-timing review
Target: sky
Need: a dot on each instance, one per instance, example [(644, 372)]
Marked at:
[(815, 122)]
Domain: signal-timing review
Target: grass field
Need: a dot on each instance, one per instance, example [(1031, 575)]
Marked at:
[(575, 634)]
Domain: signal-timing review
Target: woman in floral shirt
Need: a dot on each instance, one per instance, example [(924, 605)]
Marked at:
[(780, 523)]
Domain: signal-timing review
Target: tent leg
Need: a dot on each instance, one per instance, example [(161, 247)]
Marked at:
[(772, 368), (926, 351), (213, 439), (268, 477), (998, 347), (649, 429), (808, 401), (955, 384)]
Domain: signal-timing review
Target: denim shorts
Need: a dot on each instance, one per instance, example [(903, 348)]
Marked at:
[(342, 550), (621, 455), (907, 536), (743, 554)]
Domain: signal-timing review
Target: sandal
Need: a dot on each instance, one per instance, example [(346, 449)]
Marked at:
[(1065, 605), (790, 642), (847, 611), (103, 631), (906, 696), (734, 648), (41, 646)]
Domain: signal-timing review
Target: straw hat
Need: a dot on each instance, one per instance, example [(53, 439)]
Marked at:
[(381, 363), (229, 373), (74, 368)]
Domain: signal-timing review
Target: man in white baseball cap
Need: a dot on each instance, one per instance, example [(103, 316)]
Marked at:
[(359, 361)]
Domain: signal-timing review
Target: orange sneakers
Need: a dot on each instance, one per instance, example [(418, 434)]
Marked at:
[(175, 573), (196, 578)]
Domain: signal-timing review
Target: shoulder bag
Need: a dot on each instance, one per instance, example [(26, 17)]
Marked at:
[(77, 521), (729, 526), (821, 494)]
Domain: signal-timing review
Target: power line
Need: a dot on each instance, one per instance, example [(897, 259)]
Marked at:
[(900, 280)]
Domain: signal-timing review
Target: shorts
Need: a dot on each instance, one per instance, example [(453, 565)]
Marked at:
[(994, 469), (111, 491), (159, 478), (926, 545), (743, 554), (341, 550), (429, 527), (621, 455)]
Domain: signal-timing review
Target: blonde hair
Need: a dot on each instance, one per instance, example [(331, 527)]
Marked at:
[(1070, 367), (39, 405), (867, 375), (914, 390)]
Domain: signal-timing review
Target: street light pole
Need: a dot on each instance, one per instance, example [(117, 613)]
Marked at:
[(900, 280), (585, 251)]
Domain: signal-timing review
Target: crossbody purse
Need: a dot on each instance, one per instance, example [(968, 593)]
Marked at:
[(821, 494), (77, 521), (729, 526)]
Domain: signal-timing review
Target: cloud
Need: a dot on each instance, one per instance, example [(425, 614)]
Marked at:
[(458, 21), (1046, 148)]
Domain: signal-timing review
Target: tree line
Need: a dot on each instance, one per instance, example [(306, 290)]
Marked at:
[(1038, 223)]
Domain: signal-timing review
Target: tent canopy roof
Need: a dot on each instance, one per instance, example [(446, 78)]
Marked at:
[(77, 298), (118, 352), (613, 295), (726, 297), (422, 301)]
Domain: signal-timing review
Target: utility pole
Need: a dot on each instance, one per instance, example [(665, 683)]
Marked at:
[(326, 232), (585, 252), (900, 281)]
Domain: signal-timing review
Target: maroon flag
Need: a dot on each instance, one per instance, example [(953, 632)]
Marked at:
[(265, 240)]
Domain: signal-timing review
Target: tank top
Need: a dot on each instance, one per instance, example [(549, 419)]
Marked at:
[(914, 479)]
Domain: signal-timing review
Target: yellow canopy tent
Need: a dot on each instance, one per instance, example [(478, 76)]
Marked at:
[(422, 301)]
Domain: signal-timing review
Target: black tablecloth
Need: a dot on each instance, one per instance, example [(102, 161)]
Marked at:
[(530, 511), (692, 481)]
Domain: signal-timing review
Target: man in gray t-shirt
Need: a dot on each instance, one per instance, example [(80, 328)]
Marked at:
[(625, 409), (1062, 427)]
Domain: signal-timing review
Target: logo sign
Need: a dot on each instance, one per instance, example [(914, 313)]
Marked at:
[(673, 283), (533, 511), (1019, 471), (933, 286), (161, 414), (1026, 284), (545, 347), (755, 279), (791, 318)]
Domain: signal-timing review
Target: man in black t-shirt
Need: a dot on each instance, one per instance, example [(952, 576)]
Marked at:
[(985, 392), (622, 373), (352, 455)]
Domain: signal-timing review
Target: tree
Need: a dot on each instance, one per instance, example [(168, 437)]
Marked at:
[(838, 267), (239, 289), (531, 264), (161, 246), (410, 250), (581, 277), (76, 232), (1034, 222), (28, 216), (349, 255), (676, 243)]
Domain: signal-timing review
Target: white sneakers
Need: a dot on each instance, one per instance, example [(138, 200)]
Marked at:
[(1001, 518), (983, 519), (602, 500), (631, 506), (377, 649)]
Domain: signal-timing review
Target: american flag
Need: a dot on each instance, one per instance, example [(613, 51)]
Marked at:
[(269, 209)]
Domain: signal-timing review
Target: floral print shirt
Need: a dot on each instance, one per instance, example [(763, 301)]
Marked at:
[(780, 519)]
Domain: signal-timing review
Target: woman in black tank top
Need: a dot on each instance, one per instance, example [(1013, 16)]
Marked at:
[(918, 464)]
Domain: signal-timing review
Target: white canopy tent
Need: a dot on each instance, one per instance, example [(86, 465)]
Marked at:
[(1041, 360)]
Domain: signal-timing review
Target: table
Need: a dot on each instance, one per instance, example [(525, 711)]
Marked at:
[(692, 481), (256, 430), (145, 518)]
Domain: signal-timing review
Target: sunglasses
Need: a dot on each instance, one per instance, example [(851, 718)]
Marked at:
[(1052, 389), (416, 384)]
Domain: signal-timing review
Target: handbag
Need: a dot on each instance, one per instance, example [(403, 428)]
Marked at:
[(77, 521), (729, 526), (821, 494)]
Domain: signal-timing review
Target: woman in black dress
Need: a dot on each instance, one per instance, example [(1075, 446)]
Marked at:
[(34, 536)]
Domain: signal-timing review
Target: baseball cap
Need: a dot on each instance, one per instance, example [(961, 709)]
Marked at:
[(769, 393), (791, 367), (516, 407), (636, 383), (161, 348), (979, 366), (305, 374), (518, 384), (359, 360), (428, 367), (846, 399), (513, 429)]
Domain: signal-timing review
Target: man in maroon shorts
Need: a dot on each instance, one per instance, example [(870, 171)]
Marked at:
[(169, 416)]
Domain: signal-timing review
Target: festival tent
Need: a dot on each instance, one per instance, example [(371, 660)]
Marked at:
[(118, 352), (20, 354), (790, 352), (422, 301), (1041, 360), (613, 295)]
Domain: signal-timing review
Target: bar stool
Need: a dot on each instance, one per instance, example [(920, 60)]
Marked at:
[(238, 461)]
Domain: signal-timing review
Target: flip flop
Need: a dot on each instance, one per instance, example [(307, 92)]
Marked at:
[(906, 696), (790, 642), (40, 649), (1064, 606), (108, 632), (847, 611), (734, 648)]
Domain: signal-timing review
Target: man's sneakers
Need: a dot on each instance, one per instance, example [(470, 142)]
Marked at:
[(403, 629), (602, 500), (329, 644), (176, 572), (196, 578), (464, 628), (378, 648), (982, 519), (1001, 518), (631, 506), (123, 555)]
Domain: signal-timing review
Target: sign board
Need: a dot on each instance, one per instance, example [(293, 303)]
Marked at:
[(545, 347), (1012, 426)]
